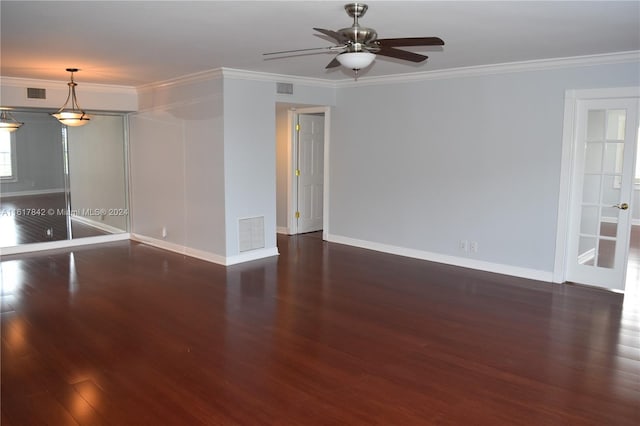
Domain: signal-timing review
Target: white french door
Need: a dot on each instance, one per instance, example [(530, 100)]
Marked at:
[(602, 189)]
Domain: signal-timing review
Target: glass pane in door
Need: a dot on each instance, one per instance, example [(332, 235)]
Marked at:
[(613, 155), (593, 157), (595, 124), (586, 250), (601, 187), (606, 253), (616, 122)]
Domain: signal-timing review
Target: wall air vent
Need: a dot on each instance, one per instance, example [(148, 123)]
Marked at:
[(251, 233), (284, 88), (36, 93)]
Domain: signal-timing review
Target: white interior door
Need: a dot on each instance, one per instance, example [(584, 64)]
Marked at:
[(603, 179), (310, 172)]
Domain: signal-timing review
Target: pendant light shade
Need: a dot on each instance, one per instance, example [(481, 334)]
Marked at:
[(356, 60), (72, 115), (7, 122)]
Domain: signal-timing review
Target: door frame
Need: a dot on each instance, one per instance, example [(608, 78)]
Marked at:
[(292, 183), (569, 152)]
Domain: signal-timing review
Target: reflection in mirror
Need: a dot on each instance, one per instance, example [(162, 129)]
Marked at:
[(65, 183), (97, 174)]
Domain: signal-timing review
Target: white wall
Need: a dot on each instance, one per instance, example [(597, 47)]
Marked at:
[(419, 166), (249, 157), (177, 168), (203, 156)]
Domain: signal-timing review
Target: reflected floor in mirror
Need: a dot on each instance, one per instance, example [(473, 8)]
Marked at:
[(38, 218), (324, 334)]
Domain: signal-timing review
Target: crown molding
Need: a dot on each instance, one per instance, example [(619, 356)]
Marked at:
[(471, 71), (281, 78), (509, 67), (197, 77), (94, 87), (218, 73)]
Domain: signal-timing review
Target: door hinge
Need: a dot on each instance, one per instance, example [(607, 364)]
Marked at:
[(297, 172), (297, 127), (297, 215)]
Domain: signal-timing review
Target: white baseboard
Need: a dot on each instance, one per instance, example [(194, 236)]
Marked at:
[(282, 230), (31, 193), (205, 255), (532, 274), (252, 255), (95, 224), (180, 249), (53, 245)]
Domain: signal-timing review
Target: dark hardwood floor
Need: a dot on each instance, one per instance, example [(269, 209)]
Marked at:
[(324, 334), (38, 218)]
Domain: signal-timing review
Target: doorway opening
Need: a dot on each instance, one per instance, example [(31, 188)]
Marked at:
[(302, 153)]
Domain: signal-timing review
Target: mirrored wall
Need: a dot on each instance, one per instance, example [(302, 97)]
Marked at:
[(61, 183)]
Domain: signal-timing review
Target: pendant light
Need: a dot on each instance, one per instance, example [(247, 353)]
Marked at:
[(7, 122), (72, 115)]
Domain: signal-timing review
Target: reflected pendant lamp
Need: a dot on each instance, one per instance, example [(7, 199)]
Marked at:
[(72, 115), (7, 122)]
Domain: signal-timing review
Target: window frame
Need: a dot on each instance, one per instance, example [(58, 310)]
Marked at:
[(14, 161)]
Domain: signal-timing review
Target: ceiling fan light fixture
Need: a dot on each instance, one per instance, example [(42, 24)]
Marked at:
[(7, 122), (72, 115), (356, 60)]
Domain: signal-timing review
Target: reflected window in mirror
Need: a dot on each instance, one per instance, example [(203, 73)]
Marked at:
[(7, 156)]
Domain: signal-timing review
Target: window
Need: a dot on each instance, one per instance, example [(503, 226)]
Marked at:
[(7, 156), (637, 175)]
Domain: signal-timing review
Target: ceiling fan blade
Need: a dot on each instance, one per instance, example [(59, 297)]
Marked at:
[(298, 50), (410, 41), (334, 35), (333, 64), (401, 54)]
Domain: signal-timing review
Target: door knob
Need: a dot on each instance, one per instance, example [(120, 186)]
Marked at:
[(621, 206)]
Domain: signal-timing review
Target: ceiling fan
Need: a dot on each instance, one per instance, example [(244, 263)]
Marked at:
[(358, 46)]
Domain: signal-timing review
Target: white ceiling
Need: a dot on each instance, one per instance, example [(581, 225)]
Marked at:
[(138, 42)]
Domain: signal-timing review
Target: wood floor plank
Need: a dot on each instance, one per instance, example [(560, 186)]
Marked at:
[(324, 334)]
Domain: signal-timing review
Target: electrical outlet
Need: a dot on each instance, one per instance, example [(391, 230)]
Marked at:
[(473, 246), (463, 245)]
